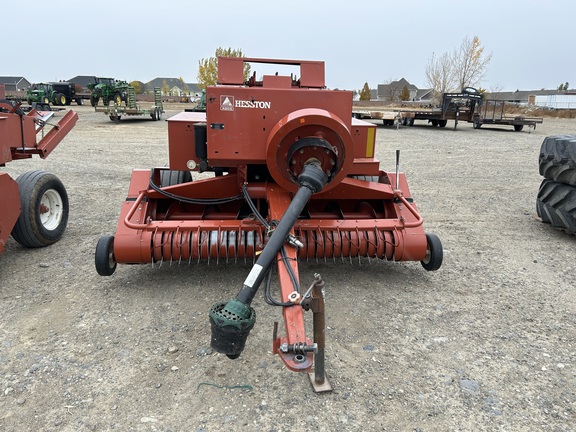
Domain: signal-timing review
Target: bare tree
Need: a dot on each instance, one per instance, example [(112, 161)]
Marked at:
[(440, 74), (470, 62)]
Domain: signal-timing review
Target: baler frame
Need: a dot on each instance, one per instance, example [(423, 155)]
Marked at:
[(295, 182)]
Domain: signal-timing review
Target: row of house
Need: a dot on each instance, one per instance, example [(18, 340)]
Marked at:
[(556, 99), (19, 84)]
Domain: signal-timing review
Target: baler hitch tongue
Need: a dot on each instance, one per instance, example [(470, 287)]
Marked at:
[(231, 322)]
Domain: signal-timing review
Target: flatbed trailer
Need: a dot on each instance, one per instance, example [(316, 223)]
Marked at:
[(116, 111), (455, 106), (492, 112)]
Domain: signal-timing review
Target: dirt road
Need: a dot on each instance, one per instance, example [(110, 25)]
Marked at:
[(488, 342)]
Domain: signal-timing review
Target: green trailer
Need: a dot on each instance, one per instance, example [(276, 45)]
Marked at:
[(115, 111)]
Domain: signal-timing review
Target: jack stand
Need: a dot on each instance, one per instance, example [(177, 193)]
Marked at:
[(318, 378)]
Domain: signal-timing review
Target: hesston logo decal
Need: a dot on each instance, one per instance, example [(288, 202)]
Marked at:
[(228, 103)]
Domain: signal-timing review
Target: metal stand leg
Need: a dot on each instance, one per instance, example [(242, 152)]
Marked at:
[(318, 378)]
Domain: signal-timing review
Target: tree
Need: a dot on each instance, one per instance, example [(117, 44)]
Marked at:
[(165, 88), (184, 87), (365, 92), (440, 74), (405, 94), (463, 67), (208, 68), (137, 86), (470, 62)]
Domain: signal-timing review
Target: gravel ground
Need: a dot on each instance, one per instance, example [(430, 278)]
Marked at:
[(488, 342)]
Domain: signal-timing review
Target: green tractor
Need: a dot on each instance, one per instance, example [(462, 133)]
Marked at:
[(109, 90), (44, 93)]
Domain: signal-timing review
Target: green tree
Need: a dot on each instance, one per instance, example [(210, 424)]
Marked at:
[(405, 94), (208, 68), (365, 92), (137, 86)]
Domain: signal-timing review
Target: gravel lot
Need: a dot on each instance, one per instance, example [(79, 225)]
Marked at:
[(488, 342)]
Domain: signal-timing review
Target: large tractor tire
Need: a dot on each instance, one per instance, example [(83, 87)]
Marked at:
[(44, 213), (556, 205), (557, 159)]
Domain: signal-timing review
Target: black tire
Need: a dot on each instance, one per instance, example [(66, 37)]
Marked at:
[(115, 118), (476, 123), (159, 114), (171, 178), (80, 101), (556, 205), (442, 123), (557, 160), (434, 122), (94, 100), (434, 253), (44, 213), (411, 121), (104, 256), (518, 128), (153, 114)]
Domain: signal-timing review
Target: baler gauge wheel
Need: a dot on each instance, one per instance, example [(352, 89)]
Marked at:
[(434, 253), (44, 213), (104, 256)]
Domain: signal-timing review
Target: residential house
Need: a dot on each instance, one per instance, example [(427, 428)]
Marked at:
[(13, 83)]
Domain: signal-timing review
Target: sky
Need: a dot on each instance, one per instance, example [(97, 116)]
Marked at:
[(531, 41)]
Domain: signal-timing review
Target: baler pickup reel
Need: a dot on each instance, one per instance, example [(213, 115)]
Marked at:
[(294, 178)]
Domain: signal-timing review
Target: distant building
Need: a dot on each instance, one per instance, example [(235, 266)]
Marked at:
[(391, 92), (175, 86), (83, 80), (15, 83), (521, 97)]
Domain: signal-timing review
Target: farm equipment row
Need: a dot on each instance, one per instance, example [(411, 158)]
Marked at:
[(467, 105), (115, 110), (34, 206), (293, 177)]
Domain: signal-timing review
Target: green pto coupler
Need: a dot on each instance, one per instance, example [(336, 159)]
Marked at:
[(231, 323)]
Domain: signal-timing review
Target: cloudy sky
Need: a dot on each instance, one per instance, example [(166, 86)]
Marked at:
[(531, 41)]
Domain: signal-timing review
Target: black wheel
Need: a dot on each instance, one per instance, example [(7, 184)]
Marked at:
[(557, 160), (518, 128), (434, 253), (171, 178), (104, 256), (44, 213), (94, 100), (434, 122), (442, 123), (153, 114), (556, 205), (80, 101), (476, 123), (159, 114), (411, 121), (404, 121), (115, 118)]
